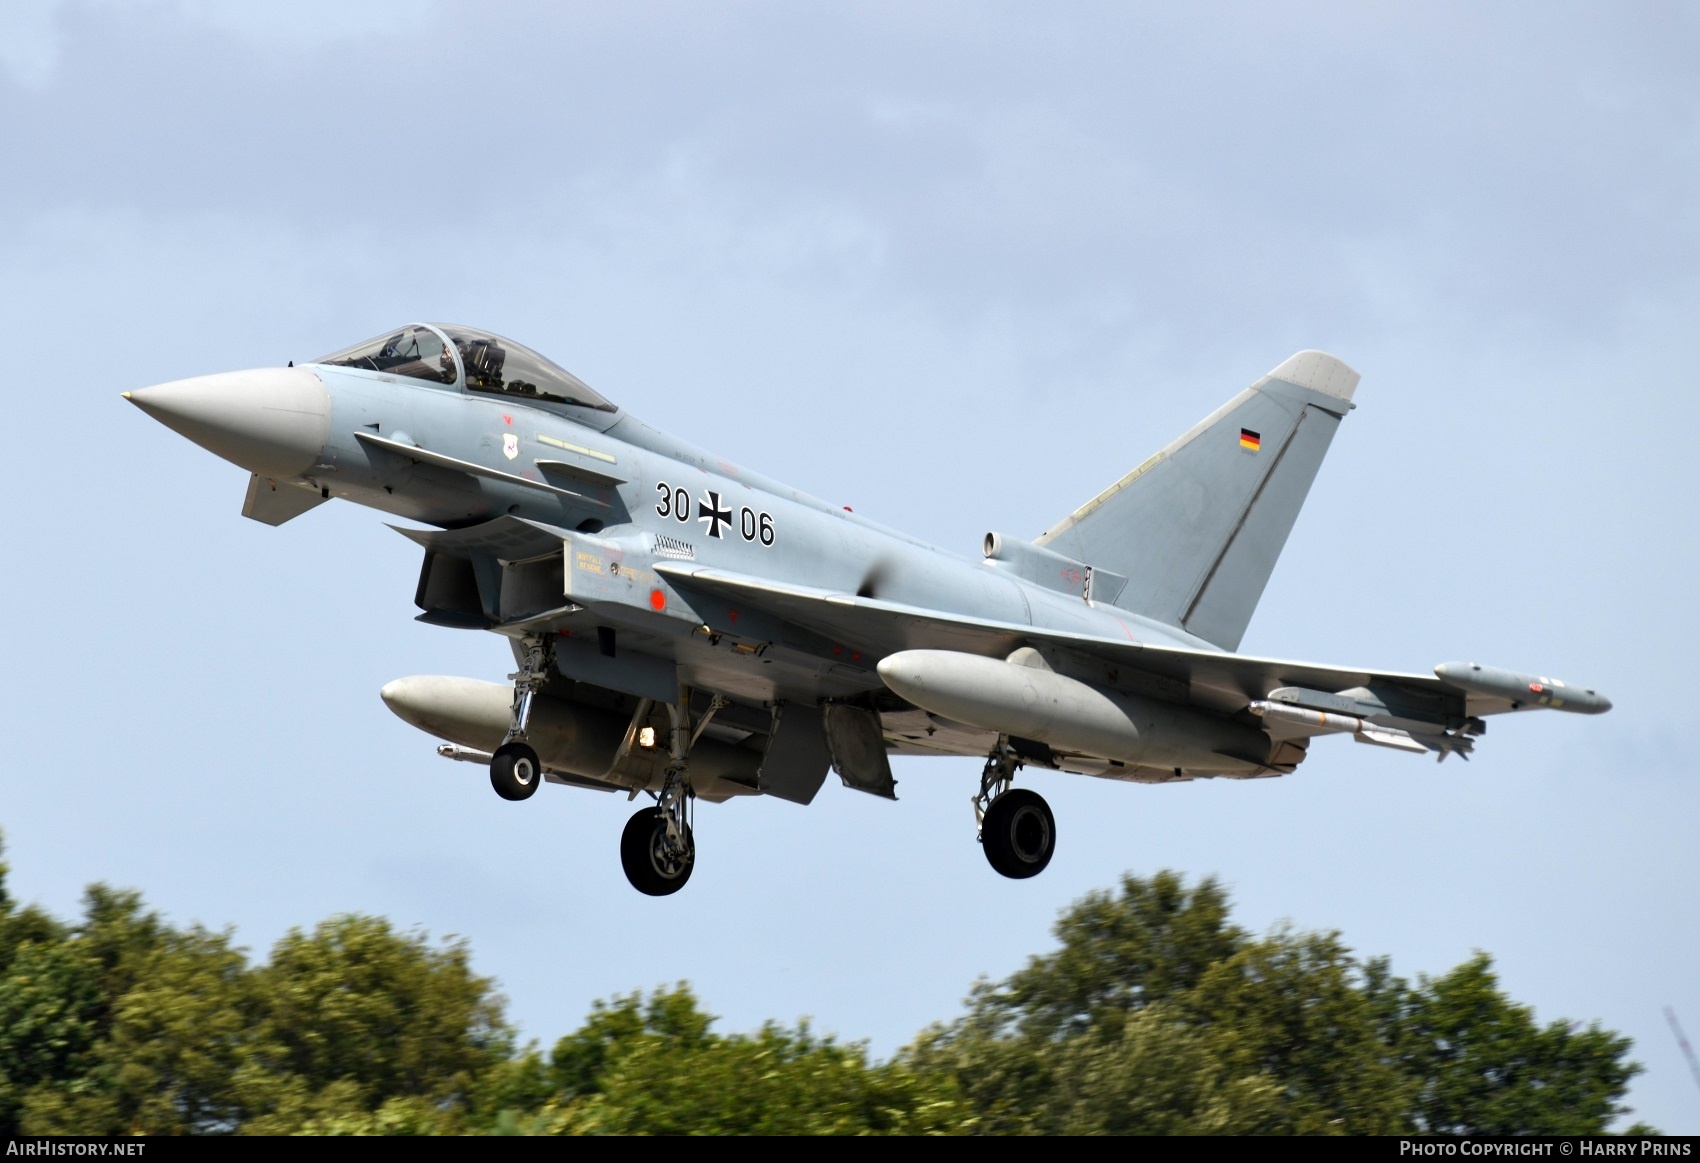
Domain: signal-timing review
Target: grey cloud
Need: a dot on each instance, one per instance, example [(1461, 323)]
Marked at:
[(1214, 162)]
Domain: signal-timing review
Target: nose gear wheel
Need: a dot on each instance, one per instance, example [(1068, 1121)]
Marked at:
[(515, 769)]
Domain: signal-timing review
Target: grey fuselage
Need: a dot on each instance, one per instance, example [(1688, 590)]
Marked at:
[(812, 543)]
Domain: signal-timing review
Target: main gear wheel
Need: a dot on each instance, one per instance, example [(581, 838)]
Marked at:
[(657, 863), (1019, 833)]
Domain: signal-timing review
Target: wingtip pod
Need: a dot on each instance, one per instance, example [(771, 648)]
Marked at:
[(1320, 372), (1523, 690)]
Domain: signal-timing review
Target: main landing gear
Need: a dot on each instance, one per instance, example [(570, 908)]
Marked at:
[(657, 849), (515, 770), (1016, 827)]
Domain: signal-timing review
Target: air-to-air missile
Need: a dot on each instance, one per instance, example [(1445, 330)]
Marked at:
[(1360, 727)]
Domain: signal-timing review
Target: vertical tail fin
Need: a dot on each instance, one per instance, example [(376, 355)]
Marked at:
[(1197, 528)]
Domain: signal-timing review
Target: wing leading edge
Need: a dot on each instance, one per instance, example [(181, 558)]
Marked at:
[(1294, 699), (1225, 681)]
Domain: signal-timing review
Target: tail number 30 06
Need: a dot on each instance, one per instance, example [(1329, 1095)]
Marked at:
[(714, 513)]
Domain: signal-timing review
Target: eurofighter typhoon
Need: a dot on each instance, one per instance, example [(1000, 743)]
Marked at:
[(686, 628)]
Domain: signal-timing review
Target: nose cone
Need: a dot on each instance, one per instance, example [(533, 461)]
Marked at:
[(272, 421)]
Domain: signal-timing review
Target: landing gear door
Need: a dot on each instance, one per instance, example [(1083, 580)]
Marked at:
[(857, 743), (797, 757)]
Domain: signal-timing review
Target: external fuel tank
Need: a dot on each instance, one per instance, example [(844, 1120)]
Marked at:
[(1023, 697), (570, 738)]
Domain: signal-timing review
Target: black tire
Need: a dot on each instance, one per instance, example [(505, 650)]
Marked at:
[(515, 771), (1019, 834), (641, 855)]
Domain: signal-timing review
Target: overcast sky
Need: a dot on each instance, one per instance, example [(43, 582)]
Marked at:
[(957, 265)]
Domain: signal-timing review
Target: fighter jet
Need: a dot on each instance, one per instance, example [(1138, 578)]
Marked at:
[(686, 628)]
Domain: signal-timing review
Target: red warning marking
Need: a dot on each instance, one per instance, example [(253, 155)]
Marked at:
[(507, 419), (838, 650), (733, 614), (657, 600), (1536, 687)]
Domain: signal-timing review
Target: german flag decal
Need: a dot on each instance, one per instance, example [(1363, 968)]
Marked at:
[(1249, 440)]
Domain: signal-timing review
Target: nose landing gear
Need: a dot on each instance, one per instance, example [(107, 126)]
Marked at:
[(1016, 827), (515, 770)]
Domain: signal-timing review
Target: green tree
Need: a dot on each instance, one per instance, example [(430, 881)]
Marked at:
[(127, 1025), (1293, 1009), (1480, 1065), (1151, 1074), (1033, 1052), (654, 1067), (1150, 942), (1156, 1015), (668, 1017), (355, 1016), (19, 926), (167, 1020), (47, 1000)]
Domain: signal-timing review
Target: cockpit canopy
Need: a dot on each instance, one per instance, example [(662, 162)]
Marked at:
[(480, 361)]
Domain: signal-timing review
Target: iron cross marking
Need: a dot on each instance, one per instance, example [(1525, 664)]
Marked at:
[(713, 512)]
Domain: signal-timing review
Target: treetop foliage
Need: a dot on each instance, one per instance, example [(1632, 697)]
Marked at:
[(1151, 943), (1154, 1015)]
